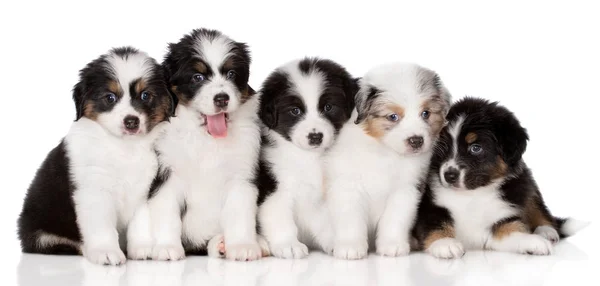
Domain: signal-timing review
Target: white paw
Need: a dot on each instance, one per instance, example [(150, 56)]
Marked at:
[(393, 249), (446, 248), (139, 252), (536, 245), (105, 255), (548, 233), (289, 250), (351, 251), (216, 247), (243, 252), (168, 252)]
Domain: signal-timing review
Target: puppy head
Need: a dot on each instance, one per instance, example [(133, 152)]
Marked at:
[(208, 72), (124, 91), (482, 144), (403, 106), (308, 101)]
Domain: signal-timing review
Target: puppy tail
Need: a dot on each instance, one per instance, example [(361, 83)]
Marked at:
[(569, 226)]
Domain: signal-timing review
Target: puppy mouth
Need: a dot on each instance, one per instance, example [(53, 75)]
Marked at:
[(216, 124)]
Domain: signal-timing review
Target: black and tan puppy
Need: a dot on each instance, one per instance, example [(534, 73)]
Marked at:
[(480, 194)]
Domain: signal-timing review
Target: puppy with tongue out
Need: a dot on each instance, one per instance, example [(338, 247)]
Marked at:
[(208, 153)]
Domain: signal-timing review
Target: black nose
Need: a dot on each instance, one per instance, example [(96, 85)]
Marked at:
[(451, 175), (221, 100), (315, 138), (131, 122), (416, 142)]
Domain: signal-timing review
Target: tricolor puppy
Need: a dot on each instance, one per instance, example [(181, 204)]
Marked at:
[(304, 105), (91, 192), (210, 152), (480, 193), (381, 158)]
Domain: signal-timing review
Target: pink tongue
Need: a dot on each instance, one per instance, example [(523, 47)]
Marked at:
[(217, 127)]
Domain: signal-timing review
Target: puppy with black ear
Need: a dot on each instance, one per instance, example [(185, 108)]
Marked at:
[(480, 193), (304, 104), (374, 171), (91, 192), (205, 200)]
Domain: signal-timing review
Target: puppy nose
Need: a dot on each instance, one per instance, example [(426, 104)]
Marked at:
[(416, 142), (131, 122), (451, 175), (315, 138), (221, 100)]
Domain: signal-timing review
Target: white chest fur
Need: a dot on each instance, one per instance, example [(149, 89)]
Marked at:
[(474, 212)]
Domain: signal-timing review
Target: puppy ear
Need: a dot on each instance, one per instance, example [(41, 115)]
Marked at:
[(364, 101), (350, 89), (267, 113), (511, 136), (78, 93)]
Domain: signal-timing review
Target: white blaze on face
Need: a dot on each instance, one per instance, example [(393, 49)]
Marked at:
[(126, 71), (454, 131)]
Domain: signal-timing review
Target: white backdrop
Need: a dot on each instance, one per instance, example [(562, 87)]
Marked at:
[(540, 59)]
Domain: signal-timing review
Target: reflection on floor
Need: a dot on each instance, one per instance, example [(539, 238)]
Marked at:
[(484, 268)]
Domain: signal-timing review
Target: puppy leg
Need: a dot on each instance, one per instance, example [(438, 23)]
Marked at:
[(349, 216), (539, 219), (512, 235), (239, 222), (139, 234), (393, 230), (165, 217), (276, 218), (97, 220)]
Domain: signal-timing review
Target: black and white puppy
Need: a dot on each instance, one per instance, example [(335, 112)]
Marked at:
[(480, 193), (209, 154), (304, 104), (381, 158), (91, 192)]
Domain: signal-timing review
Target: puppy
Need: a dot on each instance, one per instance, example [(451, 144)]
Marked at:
[(210, 152), (304, 105), (91, 191), (481, 195), (381, 158)]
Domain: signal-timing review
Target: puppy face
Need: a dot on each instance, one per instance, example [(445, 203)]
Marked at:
[(482, 144), (308, 101), (403, 106), (124, 91), (209, 74)]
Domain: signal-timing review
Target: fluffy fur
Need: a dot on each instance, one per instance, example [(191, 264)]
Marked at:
[(481, 195), (86, 198), (304, 104), (381, 157), (209, 154)]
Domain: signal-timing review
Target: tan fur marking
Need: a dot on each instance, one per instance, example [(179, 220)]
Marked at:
[(201, 67), (436, 118), (114, 87), (445, 232), (228, 64), (180, 97), (500, 169), (533, 215), (140, 85), (508, 228), (88, 110), (471, 137), (246, 94), (377, 125)]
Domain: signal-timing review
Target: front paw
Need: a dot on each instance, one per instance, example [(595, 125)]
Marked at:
[(291, 250), (216, 247), (393, 249), (350, 250), (139, 252), (105, 255), (548, 233), (447, 248), (243, 251), (168, 252), (534, 244)]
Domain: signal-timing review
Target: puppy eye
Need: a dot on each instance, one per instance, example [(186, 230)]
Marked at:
[(393, 117), (231, 74), (475, 149), (110, 98), (425, 114), (145, 96), (295, 111), (327, 107), (198, 77)]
